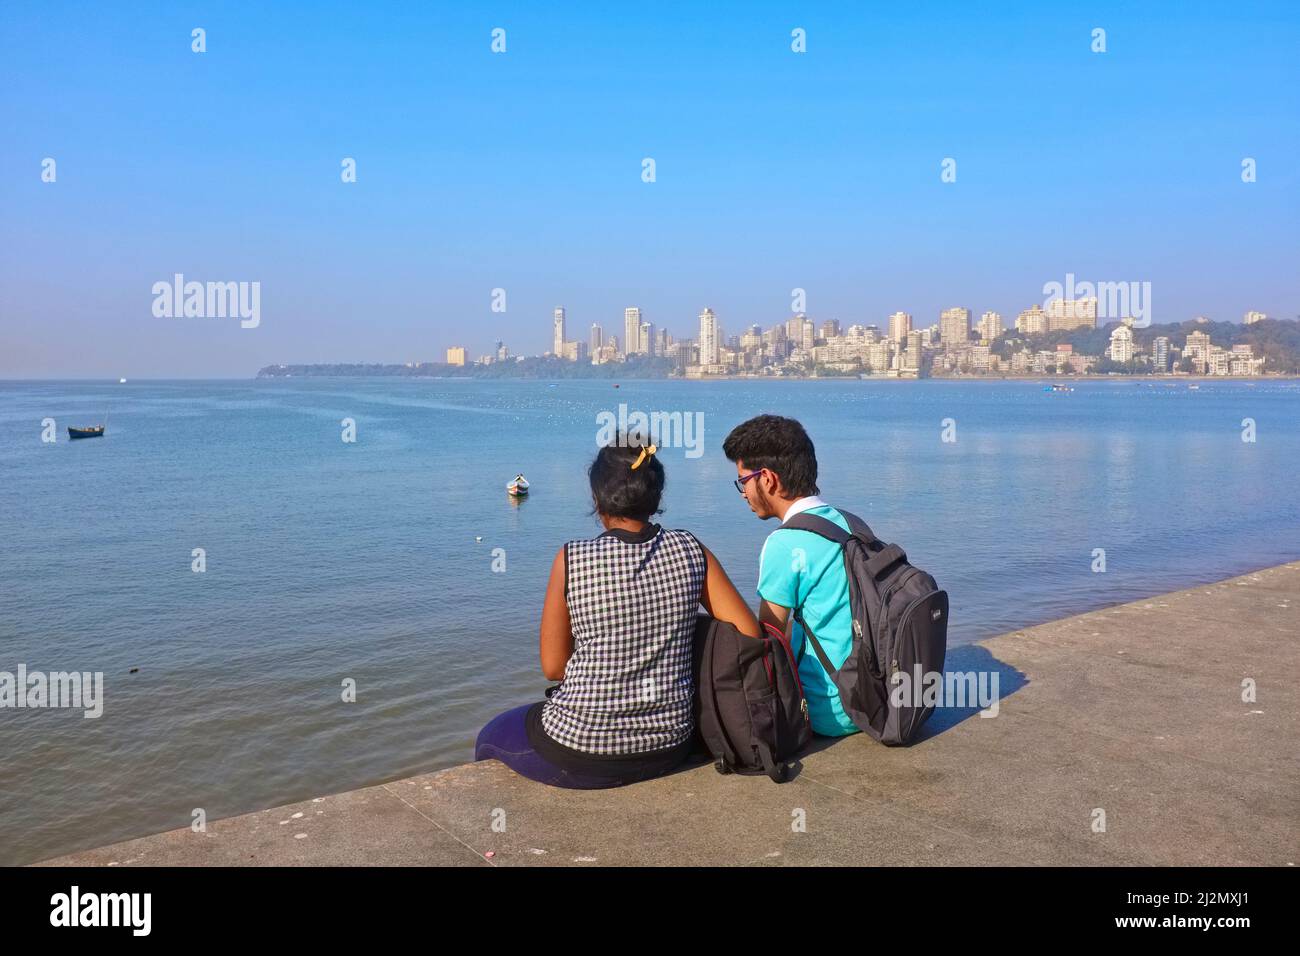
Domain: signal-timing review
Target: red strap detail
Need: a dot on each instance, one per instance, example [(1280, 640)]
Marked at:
[(779, 637)]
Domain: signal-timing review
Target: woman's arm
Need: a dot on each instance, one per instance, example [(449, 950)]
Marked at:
[(721, 599), (557, 636)]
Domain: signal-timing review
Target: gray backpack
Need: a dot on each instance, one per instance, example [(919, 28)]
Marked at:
[(900, 627), (749, 705)]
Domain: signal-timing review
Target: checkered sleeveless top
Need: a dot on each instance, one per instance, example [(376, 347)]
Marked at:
[(632, 602)]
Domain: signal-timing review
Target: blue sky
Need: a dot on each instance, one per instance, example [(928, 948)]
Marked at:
[(522, 170)]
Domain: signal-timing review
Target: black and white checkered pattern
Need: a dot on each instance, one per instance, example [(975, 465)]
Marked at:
[(632, 606)]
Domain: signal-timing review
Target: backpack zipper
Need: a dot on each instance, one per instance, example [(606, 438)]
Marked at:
[(884, 614)]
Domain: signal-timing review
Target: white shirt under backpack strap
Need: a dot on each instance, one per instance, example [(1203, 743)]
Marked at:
[(801, 505)]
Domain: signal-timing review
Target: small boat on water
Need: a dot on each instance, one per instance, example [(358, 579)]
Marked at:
[(517, 486), (95, 431), (1058, 388)]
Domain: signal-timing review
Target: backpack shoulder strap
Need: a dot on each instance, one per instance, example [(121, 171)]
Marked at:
[(820, 651), (829, 529), (857, 525), (817, 525)]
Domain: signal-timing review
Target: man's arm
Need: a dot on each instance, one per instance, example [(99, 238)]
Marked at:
[(778, 582), (777, 615)]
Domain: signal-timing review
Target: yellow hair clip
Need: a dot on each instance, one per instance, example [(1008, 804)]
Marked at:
[(647, 450)]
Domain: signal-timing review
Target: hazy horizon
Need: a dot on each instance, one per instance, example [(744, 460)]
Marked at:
[(522, 171)]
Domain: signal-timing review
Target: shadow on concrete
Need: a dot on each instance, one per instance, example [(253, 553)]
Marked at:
[(972, 658), (965, 659)]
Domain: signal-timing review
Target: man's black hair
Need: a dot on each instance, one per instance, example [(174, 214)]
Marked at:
[(621, 491), (779, 445)]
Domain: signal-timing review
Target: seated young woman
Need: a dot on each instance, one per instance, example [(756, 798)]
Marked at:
[(617, 630)]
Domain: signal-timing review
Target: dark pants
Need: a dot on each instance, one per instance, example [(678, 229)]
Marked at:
[(505, 738)]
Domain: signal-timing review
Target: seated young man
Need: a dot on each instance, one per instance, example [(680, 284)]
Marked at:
[(800, 573)]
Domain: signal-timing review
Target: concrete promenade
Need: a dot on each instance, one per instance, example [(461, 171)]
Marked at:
[(1134, 710)]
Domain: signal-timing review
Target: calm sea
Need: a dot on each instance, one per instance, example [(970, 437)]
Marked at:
[(373, 561)]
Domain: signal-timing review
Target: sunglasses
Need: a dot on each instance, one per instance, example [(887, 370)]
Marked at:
[(740, 482)]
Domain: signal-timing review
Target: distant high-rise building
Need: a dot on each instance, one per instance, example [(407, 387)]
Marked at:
[(1250, 318), (1065, 314), (646, 339), (574, 351), (912, 357), (1032, 321), (794, 330), (954, 326), (879, 356), (990, 326), (558, 337), (631, 330), (1160, 353), (596, 340), (456, 355), (1197, 348), (710, 338), (900, 323), (502, 353), (1121, 344), (830, 329)]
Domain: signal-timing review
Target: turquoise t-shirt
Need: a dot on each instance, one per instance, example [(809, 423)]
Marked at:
[(804, 571)]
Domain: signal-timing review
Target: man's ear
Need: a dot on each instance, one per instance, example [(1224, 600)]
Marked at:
[(776, 490)]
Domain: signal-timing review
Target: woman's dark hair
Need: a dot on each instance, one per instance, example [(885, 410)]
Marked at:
[(779, 445), (621, 491)]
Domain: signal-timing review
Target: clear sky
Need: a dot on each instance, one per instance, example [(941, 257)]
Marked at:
[(523, 170)]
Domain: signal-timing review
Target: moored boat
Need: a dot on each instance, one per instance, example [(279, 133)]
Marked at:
[(517, 486), (95, 431)]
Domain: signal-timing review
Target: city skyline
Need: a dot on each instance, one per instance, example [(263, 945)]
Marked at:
[(1060, 314), (955, 344), (385, 200)]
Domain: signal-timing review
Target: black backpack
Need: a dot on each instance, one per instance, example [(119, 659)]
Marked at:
[(749, 706), (900, 626)]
